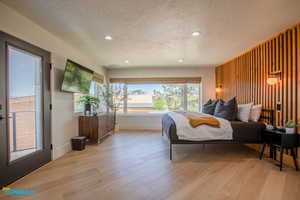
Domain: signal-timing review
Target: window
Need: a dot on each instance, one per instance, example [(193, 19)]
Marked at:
[(119, 91), (95, 91), (159, 98), (77, 106), (193, 97), (154, 98)]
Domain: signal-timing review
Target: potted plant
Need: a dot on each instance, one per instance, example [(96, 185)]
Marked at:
[(290, 126), (89, 102)]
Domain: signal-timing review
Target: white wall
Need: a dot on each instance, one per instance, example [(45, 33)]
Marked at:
[(153, 122), (64, 122)]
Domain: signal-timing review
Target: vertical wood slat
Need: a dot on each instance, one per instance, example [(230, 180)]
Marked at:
[(289, 77), (270, 70), (280, 121), (284, 79), (242, 79), (294, 75), (277, 68), (264, 74), (267, 72), (274, 69), (249, 78), (251, 75), (263, 79), (258, 75), (238, 85), (256, 78), (298, 77)]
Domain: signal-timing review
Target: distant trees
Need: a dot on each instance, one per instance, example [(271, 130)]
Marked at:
[(193, 97), (136, 92), (171, 97), (167, 97)]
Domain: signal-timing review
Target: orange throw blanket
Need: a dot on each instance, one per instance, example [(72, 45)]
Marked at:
[(196, 120)]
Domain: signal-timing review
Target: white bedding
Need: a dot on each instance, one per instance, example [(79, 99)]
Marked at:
[(201, 133)]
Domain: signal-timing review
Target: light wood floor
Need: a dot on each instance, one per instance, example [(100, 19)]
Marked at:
[(137, 166)]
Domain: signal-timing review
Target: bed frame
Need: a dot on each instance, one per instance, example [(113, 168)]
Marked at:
[(267, 116)]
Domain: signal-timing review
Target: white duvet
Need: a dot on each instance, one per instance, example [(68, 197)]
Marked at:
[(201, 133)]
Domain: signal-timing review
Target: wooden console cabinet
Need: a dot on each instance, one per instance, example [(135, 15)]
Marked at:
[(95, 128)]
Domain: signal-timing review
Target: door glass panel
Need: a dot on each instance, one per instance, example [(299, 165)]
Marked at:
[(24, 103)]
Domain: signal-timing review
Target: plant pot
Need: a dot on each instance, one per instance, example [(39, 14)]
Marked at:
[(87, 109), (289, 130)]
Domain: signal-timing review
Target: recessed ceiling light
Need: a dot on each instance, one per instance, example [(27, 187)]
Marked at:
[(196, 33), (108, 37), (180, 60), (126, 61)]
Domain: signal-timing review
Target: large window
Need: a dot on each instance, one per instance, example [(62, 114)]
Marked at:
[(159, 98)]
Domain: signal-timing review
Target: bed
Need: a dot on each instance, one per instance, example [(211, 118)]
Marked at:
[(243, 132)]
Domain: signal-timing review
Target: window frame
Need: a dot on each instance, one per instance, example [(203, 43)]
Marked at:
[(185, 97)]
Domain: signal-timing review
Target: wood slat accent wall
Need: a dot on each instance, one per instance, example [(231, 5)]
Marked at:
[(245, 76)]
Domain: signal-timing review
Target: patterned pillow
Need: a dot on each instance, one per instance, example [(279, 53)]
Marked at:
[(255, 112), (209, 107), (227, 110)]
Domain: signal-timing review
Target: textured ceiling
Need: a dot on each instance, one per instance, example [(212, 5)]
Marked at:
[(158, 32)]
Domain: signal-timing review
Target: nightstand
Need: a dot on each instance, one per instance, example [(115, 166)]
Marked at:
[(277, 139)]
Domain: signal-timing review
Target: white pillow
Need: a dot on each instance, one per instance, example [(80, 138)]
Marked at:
[(255, 112), (244, 112)]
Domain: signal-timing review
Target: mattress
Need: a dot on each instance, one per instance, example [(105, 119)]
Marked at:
[(243, 132)]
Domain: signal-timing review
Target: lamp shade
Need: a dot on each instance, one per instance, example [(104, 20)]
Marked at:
[(272, 80), (218, 89)]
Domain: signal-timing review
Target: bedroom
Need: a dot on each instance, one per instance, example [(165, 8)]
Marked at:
[(144, 60)]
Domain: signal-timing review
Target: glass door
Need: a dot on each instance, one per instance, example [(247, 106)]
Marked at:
[(24, 103), (25, 108)]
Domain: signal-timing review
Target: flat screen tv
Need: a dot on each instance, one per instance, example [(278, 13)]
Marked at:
[(76, 78)]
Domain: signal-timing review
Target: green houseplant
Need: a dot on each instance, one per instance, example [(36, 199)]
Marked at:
[(290, 126), (89, 102)]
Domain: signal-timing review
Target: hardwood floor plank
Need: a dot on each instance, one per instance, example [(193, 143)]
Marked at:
[(137, 166)]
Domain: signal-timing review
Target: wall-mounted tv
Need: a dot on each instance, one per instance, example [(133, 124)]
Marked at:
[(76, 78)]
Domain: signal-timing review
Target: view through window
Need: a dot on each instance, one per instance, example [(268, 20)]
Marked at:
[(95, 91), (154, 98), (159, 98), (24, 103)]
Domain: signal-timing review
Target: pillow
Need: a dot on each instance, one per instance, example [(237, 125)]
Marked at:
[(226, 110), (243, 113), (209, 107), (255, 113)]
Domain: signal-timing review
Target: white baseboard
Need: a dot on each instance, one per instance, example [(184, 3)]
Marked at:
[(59, 151), (139, 122)]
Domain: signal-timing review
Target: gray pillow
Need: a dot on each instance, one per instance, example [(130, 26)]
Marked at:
[(209, 107), (227, 110)]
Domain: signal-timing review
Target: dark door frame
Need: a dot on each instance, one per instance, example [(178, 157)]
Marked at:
[(11, 171)]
